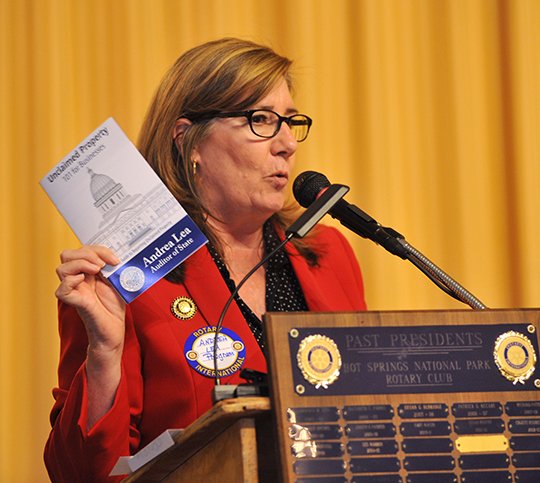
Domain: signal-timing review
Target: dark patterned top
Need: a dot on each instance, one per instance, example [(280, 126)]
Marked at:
[(283, 291)]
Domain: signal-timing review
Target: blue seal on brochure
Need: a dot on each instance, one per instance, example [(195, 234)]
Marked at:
[(199, 351)]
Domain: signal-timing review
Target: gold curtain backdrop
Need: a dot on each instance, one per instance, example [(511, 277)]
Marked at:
[(428, 109)]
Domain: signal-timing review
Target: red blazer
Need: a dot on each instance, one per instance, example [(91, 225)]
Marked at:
[(159, 390)]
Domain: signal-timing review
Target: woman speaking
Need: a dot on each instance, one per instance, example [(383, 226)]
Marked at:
[(221, 132)]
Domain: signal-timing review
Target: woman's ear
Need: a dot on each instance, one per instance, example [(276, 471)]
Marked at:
[(179, 130)]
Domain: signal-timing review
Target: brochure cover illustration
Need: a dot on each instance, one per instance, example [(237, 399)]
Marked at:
[(109, 195)]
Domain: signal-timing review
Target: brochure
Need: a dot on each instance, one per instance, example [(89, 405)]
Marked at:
[(109, 195), (129, 464)]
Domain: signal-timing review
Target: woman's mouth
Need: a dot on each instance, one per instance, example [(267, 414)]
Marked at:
[(279, 179)]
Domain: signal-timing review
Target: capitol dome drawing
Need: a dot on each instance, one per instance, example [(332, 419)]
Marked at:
[(105, 191)]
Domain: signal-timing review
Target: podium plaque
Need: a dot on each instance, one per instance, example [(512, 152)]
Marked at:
[(407, 397)]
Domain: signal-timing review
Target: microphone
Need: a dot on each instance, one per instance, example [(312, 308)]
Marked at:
[(325, 202), (309, 186), (298, 229)]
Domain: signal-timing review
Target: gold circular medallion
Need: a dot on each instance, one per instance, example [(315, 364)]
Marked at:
[(515, 356), (183, 308), (319, 360)]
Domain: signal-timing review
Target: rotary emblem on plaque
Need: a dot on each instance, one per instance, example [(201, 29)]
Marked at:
[(515, 357), (319, 360)]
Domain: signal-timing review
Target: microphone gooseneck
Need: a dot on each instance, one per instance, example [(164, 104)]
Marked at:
[(305, 222), (309, 186), (230, 300)]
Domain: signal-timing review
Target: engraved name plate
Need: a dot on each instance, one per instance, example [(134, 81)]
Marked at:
[(373, 412), (427, 445), (523, 408), (428, 478), (324, 431), (486, 477), (528, 476), (526, 460), (484, 461), (525, 443), (327, 479), (313, 414), (372, 447), (524, 426), (423, 411), (479, 426), (375, 479), (477, 410), (329, 450), (425, 428), (319, 467), (429, 463), (370, 430), (374, 465)]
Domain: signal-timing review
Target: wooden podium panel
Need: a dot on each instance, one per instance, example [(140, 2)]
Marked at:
[(223, 446), (421, 397)]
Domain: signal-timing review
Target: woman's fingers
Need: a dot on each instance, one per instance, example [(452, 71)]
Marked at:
[(79, 273), (77, 267), (88, 259), (68, 285), (96, 254)]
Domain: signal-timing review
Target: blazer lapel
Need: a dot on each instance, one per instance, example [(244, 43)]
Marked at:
[(206, 286)]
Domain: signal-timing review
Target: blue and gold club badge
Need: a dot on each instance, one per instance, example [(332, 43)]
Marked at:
[(199, 351), (183, 308), (514, 356), (319, 360)]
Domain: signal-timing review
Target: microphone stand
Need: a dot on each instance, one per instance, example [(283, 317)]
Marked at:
[(228, 391), (299, 228), (444, 281), (359, 222), (309, 184)]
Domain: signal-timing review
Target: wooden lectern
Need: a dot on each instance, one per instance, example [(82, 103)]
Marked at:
[(378, 397), (232, 442)]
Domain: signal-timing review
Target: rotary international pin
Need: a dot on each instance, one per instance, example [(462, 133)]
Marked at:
[(199, 352), (319, 360), (515, 357), (183, 308)]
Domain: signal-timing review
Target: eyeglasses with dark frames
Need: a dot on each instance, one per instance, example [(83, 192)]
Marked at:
[(264, 123)]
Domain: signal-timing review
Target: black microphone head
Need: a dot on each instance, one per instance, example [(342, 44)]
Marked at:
[(308, 185)]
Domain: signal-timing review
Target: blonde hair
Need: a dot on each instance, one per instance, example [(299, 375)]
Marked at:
[(222, 75)]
